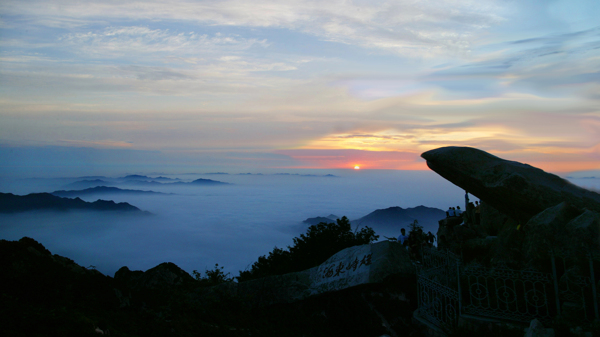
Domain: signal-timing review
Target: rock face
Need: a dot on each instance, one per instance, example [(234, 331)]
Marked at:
[(563, 229), (515, 189), (549, 230), (536, 329), (350, 267)]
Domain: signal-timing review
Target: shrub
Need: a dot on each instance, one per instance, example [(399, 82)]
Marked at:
[(213, 277), (319, 243)]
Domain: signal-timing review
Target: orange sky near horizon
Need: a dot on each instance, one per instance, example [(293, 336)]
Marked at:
[(396, 160)]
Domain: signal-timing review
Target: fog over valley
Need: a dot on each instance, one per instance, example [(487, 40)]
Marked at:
[(198, 225)]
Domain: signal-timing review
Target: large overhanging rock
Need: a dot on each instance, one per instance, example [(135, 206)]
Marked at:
[(515, 189)]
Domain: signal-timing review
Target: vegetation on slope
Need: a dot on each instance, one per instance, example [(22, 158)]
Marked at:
[(320, 242)]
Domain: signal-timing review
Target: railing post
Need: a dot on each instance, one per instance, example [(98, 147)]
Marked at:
[(459, 292), (556, 293), (595, 299)]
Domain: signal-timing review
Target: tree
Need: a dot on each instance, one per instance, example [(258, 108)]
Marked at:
[(213, 277), (319, 243)]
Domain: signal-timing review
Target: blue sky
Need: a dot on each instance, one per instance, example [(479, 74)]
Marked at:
[(315, 84)]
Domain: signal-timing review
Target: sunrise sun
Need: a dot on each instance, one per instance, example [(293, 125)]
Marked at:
[(356, 167)]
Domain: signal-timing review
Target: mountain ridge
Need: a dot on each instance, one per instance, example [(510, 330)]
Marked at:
[(11, 203), (100, 190)]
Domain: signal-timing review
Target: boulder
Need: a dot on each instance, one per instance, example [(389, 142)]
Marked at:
[(464, 233), (585, 231), (492, 221), (350, 267), (549, 230), (536, 329), (515, 189)]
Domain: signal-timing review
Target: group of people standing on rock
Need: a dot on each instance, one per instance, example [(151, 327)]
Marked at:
[(451, 212), (415, 240), (472, 214)]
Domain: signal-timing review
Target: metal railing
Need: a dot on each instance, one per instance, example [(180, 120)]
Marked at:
[(447, 290)]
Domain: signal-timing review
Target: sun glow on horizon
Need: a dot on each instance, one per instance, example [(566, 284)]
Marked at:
[(356, 167)]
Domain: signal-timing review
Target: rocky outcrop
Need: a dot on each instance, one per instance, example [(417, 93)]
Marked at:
[(563, 229), (548, 230), (536, 329), (493, 221), (166, 274), (348, 268), (515, 189), (585, 231)]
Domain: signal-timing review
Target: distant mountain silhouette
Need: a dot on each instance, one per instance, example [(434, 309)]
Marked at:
[(135, 176), (100, 190), (146, 178), (144, 183), (156, 183), (87, 184), (317, 220), (165, 178), (10, 203), (428, 217), (202, 181), (305, 175)]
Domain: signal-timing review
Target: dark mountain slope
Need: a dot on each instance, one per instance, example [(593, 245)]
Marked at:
[(87, 184), (10, 203), (400, 217), (317, 220)]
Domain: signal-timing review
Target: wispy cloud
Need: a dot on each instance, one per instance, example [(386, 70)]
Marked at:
[(140, 41), (100, 144), (398, 77), (420, 28)]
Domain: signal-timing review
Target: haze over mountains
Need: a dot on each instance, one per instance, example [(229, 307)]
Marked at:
[(395, 217), (138, 180), (198, 225), (391, 219), (99, 190)]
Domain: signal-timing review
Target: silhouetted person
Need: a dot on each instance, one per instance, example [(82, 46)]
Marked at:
[(469, 215), (403, 238), (430, 239), (416, 239), (449, 212)]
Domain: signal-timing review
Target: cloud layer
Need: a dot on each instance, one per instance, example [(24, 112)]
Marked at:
[(382, 78)]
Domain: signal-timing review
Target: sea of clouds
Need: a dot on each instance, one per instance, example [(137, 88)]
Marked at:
[(232, 225)]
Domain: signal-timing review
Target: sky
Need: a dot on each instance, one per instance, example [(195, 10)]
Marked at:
[(248, 85)]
